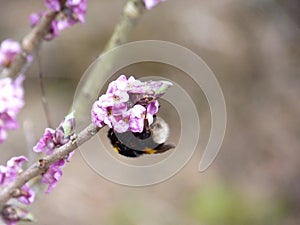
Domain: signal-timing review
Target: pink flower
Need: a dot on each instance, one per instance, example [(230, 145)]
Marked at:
[(118, 85), (27, 195), (10, 172), (53, 31), (151, 3), (7, 122), (15, 163), (3, 171), (69, 14), (53, 5), (8, 50), (73, 12), (13, 167), (34, 19), (53, 175), (153, 107), (120, 124), (127, 103), (112, 104), (11, 95), (118, 109), (53, 139), (11, 101), (78, 9), (137, 115), (47, 142), (58, 137), (98, 115)]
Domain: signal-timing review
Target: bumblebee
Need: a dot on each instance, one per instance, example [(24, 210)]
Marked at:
[(150, 141)]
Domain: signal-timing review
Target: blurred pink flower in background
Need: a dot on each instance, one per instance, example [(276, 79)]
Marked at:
[(11, 101), (151, 3)]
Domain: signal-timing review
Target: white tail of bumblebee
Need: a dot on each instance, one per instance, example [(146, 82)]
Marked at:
[(160, 130)]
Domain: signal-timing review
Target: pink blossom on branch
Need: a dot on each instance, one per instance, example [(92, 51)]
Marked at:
[(27, 195), (50, 140), (53, 5), (53, 175), (8, 50), (127, 103), (72, 12), (53, 139), (136, 121), (53, 31), (10, 172)]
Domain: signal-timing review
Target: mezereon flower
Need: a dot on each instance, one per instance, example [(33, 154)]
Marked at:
[(11, 101), (54, 138), (127, 102), (10, 172), (129, 108), (70, 12), (8, 50)]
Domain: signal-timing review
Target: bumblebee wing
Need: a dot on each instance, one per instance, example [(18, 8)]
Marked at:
[(126, 143)]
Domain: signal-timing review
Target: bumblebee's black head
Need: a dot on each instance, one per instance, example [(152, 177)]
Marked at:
[(150, 141)]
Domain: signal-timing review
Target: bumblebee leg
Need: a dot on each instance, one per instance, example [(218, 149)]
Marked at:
[(150, 151), (159, 149)]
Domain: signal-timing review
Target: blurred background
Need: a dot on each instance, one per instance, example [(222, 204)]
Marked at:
[(253, 49)]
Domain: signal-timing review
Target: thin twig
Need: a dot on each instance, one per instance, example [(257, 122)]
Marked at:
[(132, 12), (39, 168), (87, 93), (43, 92)]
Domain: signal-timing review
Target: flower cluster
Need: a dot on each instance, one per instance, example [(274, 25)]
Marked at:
[(11, 101), (71, 12), (126, 104), (151, 3), (51, 140), (8, 50), (10, 172)]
